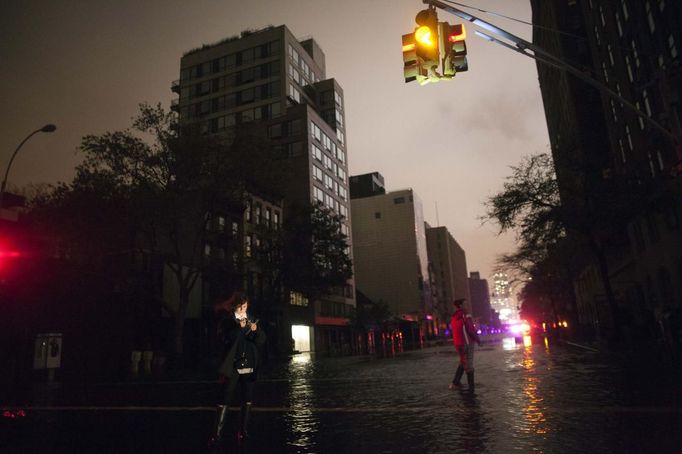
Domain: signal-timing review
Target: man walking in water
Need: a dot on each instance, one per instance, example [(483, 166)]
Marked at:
[(463, 336)]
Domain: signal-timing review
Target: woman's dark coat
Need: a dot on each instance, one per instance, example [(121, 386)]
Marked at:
[(233, 336)]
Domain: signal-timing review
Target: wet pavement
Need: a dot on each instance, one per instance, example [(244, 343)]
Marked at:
[(537, 398)]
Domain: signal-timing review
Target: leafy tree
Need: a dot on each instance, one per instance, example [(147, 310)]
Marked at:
[(551, 233), (316, 256), (159, 189)]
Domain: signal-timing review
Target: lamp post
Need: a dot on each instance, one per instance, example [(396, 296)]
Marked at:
[(46, 128)]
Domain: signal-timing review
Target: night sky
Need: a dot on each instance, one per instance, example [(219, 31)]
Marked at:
[(86, 65)]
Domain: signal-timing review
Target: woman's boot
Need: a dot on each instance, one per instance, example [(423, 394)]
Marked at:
[(470, 381), (221, 416), (456, 382), (244, 422)]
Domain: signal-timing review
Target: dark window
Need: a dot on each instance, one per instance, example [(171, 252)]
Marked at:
[(399, 200), (377, 215)]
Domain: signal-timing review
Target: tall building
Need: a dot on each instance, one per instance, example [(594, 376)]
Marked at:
[(449, 271), (480, 297), (390, 254), (502, 300), (598, 144), (270, 78)]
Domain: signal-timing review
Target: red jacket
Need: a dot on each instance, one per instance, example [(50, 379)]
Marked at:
[(463, 330)]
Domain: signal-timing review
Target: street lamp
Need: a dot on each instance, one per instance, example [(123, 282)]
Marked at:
[(46, 128)]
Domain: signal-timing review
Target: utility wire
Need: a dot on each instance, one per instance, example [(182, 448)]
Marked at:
[(492, 13)]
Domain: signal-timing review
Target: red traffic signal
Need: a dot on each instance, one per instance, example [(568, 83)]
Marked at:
[(454, 58)]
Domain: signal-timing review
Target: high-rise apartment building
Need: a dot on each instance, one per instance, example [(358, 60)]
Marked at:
[(449, 271), (480, 298), (390, 254), (270, 78), (502, 300), (599, 145)]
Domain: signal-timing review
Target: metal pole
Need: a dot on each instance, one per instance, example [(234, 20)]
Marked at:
[(522, 46), (46, 128)]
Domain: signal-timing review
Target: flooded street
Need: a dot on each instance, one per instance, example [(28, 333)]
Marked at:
[(534, 398), (528, 398)]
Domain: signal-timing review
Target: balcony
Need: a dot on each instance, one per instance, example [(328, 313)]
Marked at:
[(175, 86)]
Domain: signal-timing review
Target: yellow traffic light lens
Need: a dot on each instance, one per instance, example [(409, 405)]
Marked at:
[(424, 36)]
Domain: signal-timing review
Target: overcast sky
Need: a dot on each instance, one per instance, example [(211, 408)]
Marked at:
[(86, 65)]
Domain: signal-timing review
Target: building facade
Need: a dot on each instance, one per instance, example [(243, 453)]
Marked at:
[(269, 78), (598, 144), (390, 253), (480, 298), (501, 299), (449, 272)]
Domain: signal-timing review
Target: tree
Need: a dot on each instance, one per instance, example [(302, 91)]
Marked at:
[(160, 188), (550, 232), (316, 258)]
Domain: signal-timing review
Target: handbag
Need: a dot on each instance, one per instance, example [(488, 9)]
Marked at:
[(243, 364)]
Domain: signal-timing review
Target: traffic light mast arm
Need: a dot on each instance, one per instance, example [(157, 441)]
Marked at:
[(529, 49)]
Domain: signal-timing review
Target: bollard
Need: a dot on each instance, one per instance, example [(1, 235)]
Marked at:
[(147, 357), (135, 358)]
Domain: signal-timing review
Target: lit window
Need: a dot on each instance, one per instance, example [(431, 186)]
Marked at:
[(618, 24), (317, 173), (247, 245), (629, 137), (601, 16), (639, 117), (626, 14), (317, 153), (652, 169), (635, 54), (628, 65), (650, 17), (647, 105), (671, 46)]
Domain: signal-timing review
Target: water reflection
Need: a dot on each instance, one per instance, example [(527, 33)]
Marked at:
[(533, 409), (301, 420)]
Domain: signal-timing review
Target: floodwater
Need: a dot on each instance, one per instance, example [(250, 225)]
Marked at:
[(529, 398)]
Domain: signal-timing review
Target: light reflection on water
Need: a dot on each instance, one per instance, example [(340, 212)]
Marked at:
[(533, 410), (301, 420), (529, 398)]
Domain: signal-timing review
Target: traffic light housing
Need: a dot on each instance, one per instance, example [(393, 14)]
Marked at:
[(426, 38), (412, 66), (455, 49), (434, 50)]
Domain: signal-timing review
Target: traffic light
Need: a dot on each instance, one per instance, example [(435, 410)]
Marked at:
[(435, 50), (412, 66), (455, 48), (426, 39)]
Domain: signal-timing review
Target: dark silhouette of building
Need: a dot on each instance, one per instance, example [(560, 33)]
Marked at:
[(618, 175), (480, 297), (449, 271), (366, 185)]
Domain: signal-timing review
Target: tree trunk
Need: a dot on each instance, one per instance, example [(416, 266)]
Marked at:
[(179, 324)]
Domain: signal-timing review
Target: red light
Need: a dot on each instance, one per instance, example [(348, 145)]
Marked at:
[(9, 254), (453, 38)]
